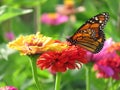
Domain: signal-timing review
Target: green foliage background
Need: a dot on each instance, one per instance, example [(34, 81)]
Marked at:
[(18, 16)]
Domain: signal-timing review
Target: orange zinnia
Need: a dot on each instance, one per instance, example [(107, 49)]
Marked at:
[(36, 44), (114, 47)]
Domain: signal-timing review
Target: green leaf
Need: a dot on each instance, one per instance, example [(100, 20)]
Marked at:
[(7, 12)]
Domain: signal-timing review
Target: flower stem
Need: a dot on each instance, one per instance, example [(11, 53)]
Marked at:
[(34, 71), (87, 78), (37, 15), (58, 80), (68, 26), (111, 83)]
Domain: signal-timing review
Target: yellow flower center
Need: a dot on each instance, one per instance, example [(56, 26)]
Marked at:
[(53, 15), (69, 2)]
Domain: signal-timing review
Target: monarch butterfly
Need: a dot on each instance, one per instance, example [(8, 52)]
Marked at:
[(90, 35)]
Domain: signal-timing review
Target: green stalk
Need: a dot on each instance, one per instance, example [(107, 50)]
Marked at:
[(67, 29), (58, 80), (111, 84), (87, 78), (37, 15), (34, 72), (118, 19)]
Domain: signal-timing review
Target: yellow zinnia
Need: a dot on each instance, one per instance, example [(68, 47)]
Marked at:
[(36, 44)]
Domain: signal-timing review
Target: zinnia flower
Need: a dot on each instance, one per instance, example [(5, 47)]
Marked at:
[(53, 18), (68, 8), (9, 36), (61, 61), (108, 67), (103, 53), (36, 44), (106, 63), (114, 47), (8, 88)]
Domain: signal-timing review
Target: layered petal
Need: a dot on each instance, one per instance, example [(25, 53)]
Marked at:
[(36, 44), (61, 61)]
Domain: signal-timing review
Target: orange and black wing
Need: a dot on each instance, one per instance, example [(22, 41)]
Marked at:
[(90, 35)]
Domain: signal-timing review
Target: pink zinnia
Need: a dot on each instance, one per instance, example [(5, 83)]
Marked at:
[(8, 88), (9, 36), (108, 67), (53, 18), (106, 63), (103, 53)]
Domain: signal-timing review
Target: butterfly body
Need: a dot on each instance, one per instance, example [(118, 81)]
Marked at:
[(90, 35)]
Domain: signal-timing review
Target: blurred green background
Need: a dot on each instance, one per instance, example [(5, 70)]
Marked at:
[(20, 17)]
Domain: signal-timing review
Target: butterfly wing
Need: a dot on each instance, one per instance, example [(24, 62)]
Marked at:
[(90, 35)]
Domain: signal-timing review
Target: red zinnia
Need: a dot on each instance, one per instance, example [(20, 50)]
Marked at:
[(61, 61)]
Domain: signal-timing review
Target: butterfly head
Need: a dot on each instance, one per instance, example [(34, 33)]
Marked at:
[(70, 40)]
